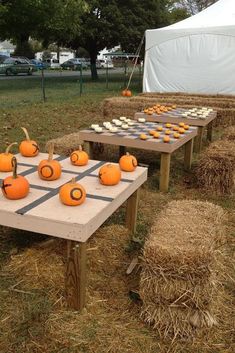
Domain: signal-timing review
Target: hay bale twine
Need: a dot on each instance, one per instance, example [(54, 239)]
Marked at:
[(66, 144), (178, 283), (216, 168)]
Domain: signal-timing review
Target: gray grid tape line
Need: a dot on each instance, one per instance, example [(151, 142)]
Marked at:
[(52, 193)]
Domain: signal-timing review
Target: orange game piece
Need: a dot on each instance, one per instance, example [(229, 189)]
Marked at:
[(166, 139), (181, 130), (143, 137), (160, 128), (176, 135), (156, 135)]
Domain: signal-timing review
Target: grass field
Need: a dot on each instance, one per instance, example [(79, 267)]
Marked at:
[(33, 315)]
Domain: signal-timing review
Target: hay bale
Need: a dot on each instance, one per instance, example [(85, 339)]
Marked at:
[(66, 144), (216, 168), (178, 284), (229, 134)]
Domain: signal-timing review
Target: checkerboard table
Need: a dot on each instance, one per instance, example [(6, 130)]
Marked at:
[(42, 212), (175, 116), (131, 138)]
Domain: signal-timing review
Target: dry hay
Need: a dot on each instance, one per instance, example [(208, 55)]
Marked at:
[(216, 169), (66, 144), (116, 107), (229, 133), (178, 284)]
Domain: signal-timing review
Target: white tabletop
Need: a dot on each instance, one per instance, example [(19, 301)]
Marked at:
[(42, 212)]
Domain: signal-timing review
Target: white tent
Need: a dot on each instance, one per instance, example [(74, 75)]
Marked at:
[(196, 55)]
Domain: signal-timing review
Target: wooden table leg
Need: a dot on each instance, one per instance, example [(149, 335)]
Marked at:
[(165, 171), (188, 154), (198, 140), (122, 151), (88, 147), (209, 131), (75, 278), (131, 211)]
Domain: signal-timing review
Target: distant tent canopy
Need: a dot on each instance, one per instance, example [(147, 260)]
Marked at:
[(196, 55)]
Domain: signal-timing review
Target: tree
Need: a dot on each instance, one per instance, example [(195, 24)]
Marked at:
[(194, 6), (113, 22), (47, 20)]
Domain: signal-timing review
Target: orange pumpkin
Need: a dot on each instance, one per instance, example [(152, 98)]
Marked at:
[(168, 132), (166, 139), (176, 135), (109, 174), (49, 169), (15, 187), (156, 135), (181, 124), (79, 157), (160, 128), (128, 163), (126, 93), (175, 128), (72, 193), (152, 132), (143, 137), (6, 159), (181, 130), (28, 148), (186, 127), (168, 125)]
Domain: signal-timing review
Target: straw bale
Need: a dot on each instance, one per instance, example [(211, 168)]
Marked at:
[(216, 169), (66, 144), (229, 134), (180, 261)]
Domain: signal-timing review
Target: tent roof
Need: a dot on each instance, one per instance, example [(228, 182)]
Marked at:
[(218, 18)]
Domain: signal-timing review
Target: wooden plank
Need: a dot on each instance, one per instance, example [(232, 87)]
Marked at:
[(131, 211), (198, 140), (165, 171), (188, 154), (209, 131), (75, 277)]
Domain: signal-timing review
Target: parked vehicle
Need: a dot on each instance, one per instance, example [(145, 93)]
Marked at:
[(74, 64), (104, 64), (3, 57), (16, 65), (39, 64)]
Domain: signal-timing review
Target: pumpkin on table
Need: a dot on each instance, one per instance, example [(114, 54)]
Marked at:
[(109, 174), (128, 163), (6, 159), (28, 147), (72, 193), (49, 169), (15, 187), (79, 157)]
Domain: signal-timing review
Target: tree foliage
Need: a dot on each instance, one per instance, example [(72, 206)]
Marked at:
[(194, 6)]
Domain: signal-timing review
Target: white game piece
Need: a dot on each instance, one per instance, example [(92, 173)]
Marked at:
[(113, 129), (98, 129), (118, 123), (122, 118), (194, 114), (131, 123), (142, 120), (93, 126), (125, 126)]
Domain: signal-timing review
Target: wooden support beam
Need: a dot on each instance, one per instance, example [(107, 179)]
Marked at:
[(188, 155), (131, 211), (88, 147), (122, 151), (209, 131), (198, 139), (75, 277), (165, 171)]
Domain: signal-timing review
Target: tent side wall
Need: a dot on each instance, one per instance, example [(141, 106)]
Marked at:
[(195, 63)]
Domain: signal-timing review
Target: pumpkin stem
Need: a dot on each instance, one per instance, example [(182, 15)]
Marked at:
[(50, 152), (73, 181), (26, 133), (14, 163), (80, 148), (9, 147), (127, 154)]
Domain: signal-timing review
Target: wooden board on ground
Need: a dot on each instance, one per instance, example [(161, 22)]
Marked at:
[(42, 212)]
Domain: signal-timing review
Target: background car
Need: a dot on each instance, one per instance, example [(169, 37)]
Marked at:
[(16, 65), (74, 64), (104, 64), (3, 57), (39, 64)]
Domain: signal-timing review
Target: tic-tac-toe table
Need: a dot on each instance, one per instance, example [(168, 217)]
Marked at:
[(42, 212), (131, 138), (175, 116)]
